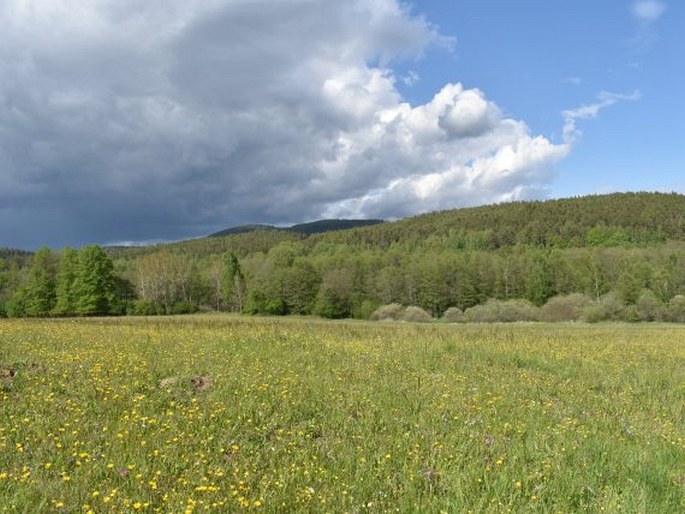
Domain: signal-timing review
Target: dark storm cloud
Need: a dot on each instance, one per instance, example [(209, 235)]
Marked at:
[(121, 122)]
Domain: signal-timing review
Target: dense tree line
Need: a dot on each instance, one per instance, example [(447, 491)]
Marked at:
[(74, 283), (622, 251)]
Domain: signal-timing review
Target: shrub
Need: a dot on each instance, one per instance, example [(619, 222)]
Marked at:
[(565, 308), (391, 312), (275, 307), (416, 315), (676, 309), (140, 308), (453, 315), (649, 307), (502, 311), (608, 308), (184, 307), (365, 310)]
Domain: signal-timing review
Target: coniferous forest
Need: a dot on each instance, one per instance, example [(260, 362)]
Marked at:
[(594, 258)]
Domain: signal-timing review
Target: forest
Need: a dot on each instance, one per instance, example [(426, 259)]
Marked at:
[(592, 258)]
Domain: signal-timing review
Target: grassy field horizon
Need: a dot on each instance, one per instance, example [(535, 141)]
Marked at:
[(230, 413)]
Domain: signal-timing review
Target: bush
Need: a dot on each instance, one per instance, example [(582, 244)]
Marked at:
[(416, 315), (140, 308), (365, 310), (184, 308), (453, 315), (16, 306), (676, 309), (649, 307), (502, 311), (565, 308), (275, 307), (391, 312), (608, 308)]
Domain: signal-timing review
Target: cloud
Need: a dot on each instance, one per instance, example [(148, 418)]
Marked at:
[(647, 11), (411, 78), (122, 121), (586, 112)]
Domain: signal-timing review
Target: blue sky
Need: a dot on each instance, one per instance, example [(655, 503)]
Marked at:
[(129, 122), (538, 58)]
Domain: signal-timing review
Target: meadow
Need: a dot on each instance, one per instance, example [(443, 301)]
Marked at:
[(229, 413)]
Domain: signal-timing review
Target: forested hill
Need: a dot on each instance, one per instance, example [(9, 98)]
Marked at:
[(620, 219), (600, 220), (313, 227), (618, 256)]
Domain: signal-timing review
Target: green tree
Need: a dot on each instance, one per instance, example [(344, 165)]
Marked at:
[(94, 288), (334, 297), (40, 290), (539, 279), (232, 283), (163, 279), (66, 276)]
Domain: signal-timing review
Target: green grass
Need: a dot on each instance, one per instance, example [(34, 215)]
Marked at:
[(312, 416)]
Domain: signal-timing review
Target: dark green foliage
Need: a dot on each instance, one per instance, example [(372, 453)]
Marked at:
[(314, 227), (184, 307), (141, 308)]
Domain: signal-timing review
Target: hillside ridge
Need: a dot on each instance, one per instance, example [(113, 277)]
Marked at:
[(312, 227)]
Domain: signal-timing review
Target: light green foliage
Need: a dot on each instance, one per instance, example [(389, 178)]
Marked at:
[(608, 308), (334, 298), (66, 277), (93, 287), (453, 315), (415, 314), (649, 307), (232, 283), (230, 414), (565, 307), (391, 312), (502, 311), (40, 288), (676, 309)]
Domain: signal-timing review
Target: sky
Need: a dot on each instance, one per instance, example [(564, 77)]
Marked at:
[(125, 122)]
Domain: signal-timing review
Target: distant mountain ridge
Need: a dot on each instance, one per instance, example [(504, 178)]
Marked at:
[(313, 227)]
